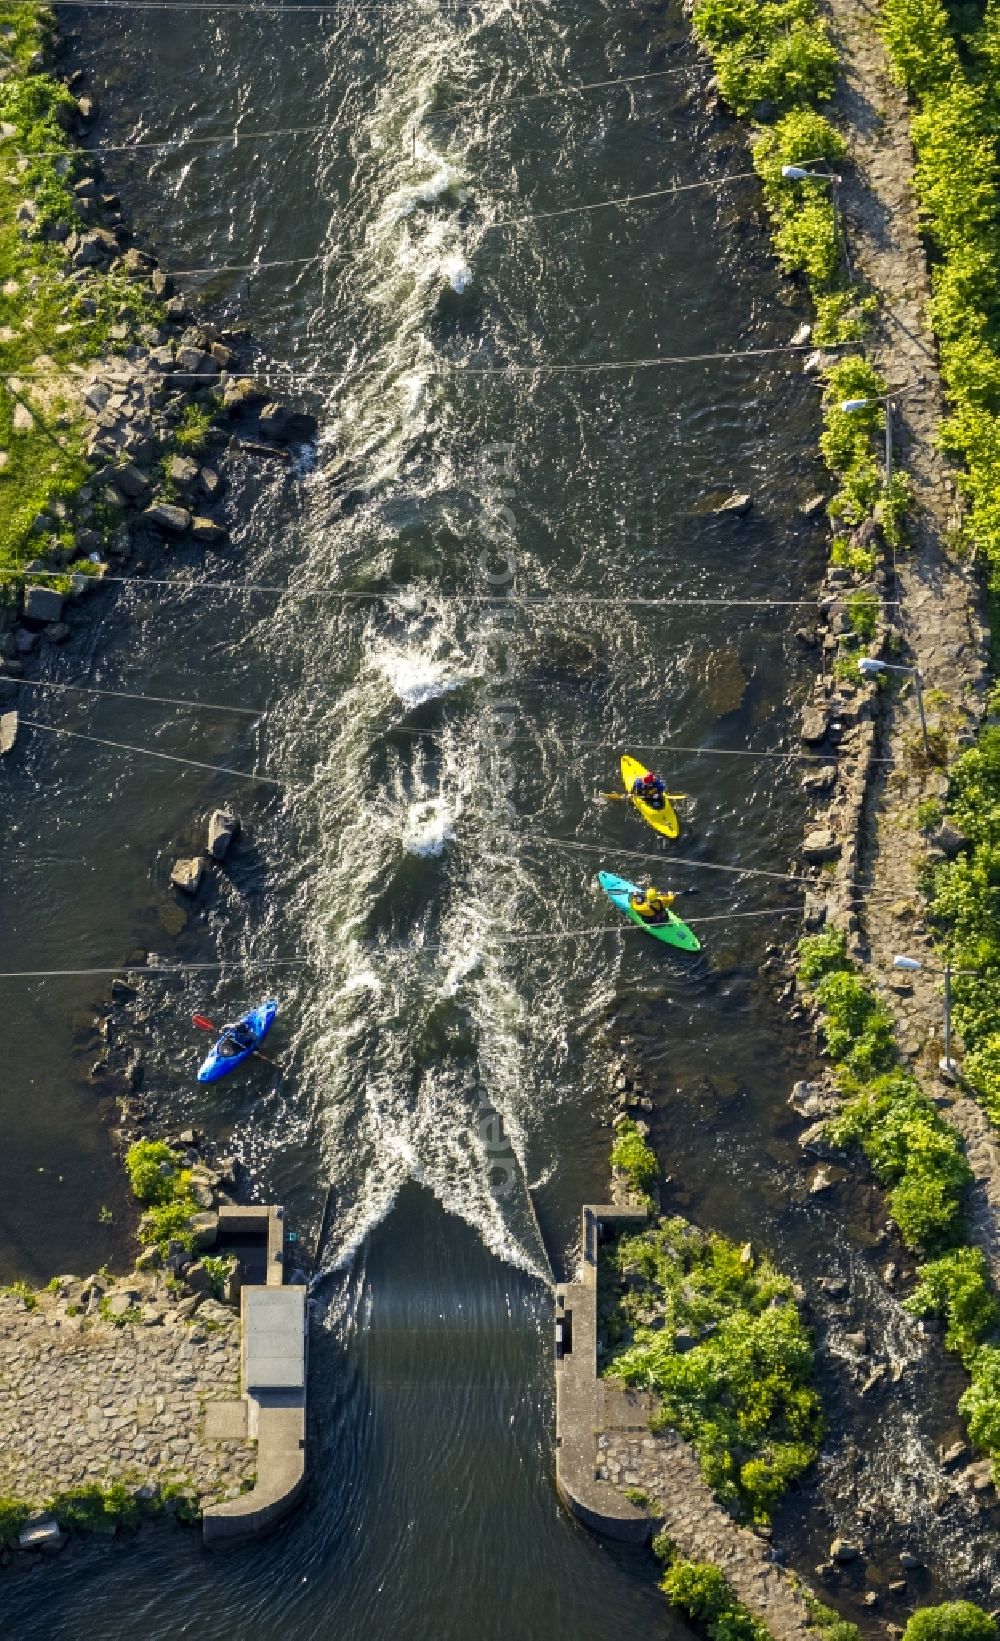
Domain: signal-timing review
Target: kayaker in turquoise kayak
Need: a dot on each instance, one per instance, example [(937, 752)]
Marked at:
[(654, 905)]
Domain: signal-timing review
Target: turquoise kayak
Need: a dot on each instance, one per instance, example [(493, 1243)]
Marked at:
[(672, 932)]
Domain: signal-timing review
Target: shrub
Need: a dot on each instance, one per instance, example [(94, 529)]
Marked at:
[(13, 1515), (21, 1290), (636, 1160), (91, 1507), (170, 1222), (980, 1405), (956, 1287), (152, 1167), (952, 1621), (732, 1363), (703, 1592)]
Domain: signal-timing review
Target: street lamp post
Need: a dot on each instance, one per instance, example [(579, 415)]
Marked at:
[(802, 173), (870, 667), (910, 965), (887, 399)]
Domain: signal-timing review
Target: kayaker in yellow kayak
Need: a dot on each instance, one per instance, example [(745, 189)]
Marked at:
[(650, 789), (653, 906)]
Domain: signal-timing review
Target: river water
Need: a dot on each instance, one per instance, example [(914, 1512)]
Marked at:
[(451, 1035)]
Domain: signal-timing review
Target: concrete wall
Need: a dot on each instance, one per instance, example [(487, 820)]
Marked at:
[(276, 1417)]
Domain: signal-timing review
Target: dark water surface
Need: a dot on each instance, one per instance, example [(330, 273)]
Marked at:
[(417, 865)]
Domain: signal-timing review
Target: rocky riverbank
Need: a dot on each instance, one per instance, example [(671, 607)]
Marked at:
[(106, 1383), (120, 409)]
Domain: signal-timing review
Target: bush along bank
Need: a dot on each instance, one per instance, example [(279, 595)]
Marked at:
[(110, 391), (775, 65), (715, 1332), (949, 63), (919, 1160), (965, 911)]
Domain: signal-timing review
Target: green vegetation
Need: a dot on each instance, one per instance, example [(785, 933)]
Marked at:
[(953, 1621), (158, 1179), (636, 1160), (120, 1319), (49, 324), (826, 1622), (913, 1153), (965, 909), (729, 1358), (219, 1268), (955, 82), (703, 1592), (21, 1290), (91, 1507), (957, 1288), (193, 428), (13, 1515), (152, 1167), (920, 1161), (778, 54)]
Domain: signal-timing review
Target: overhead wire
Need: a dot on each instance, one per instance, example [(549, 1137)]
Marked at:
[(539, 601), (149, 752), (414, 948), (238, 136), (128, 695)]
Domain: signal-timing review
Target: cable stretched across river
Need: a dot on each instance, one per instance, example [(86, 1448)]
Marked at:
[(371, 951)]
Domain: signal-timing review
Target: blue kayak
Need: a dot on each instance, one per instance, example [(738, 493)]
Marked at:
[(671, 931), (225, 1056)]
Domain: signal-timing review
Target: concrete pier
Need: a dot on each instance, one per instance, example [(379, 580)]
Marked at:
[(586, 1404), (273, 1365)]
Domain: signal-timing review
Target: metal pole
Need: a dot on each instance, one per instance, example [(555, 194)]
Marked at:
[(918, 681), (947, 1015), (888, 442)]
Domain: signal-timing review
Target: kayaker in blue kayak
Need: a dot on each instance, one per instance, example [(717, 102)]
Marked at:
[(650, 789), (236, 1039), (654, 905)]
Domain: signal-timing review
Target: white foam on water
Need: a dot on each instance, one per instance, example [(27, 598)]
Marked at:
[(415, 676), (429, 826)]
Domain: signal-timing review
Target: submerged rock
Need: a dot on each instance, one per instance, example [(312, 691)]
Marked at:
[(186, 875)]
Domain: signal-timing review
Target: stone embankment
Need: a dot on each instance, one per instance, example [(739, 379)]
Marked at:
[(864, 840), (105, 1381)]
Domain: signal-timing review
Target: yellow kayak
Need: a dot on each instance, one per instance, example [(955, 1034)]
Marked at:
[(661, 820)]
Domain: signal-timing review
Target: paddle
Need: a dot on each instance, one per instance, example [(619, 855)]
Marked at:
[(205, 1024), (626, 797)]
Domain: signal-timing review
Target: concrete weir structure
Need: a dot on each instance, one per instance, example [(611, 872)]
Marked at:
[(272, 1407), (587, 1405)]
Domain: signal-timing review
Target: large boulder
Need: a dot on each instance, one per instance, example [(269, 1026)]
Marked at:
[(95, 247), (186, 875), (42, 604), (207, 531), (41, 1532), (132, 482), (820, 845), (173, 521), (223, 827), (183, 472)]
